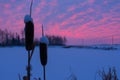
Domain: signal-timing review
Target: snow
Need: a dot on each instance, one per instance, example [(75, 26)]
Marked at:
[(44, 40), (27, 18), (63, 63)]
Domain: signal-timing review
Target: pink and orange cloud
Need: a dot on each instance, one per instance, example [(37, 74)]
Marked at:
[(76, 20)]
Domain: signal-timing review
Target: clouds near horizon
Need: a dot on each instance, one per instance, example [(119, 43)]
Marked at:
[(79, 19)]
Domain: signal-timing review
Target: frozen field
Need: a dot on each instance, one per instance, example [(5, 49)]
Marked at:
[(62, 62)]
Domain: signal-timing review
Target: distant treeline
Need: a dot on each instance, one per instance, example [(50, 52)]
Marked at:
[(56, 40), (14, 39), (10, 39)]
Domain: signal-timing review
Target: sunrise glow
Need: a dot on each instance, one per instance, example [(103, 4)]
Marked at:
[(80, 21)]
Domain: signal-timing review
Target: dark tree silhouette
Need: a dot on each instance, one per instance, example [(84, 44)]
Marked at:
[(13, 39), (9, 39), (56, 40)]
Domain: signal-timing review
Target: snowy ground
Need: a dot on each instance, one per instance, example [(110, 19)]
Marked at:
[(62, 62)]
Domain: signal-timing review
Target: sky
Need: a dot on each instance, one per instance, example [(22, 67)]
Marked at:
[(80, 21)]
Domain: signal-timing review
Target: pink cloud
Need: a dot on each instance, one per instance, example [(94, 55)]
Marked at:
[(20, 7), (72, 19), (91, 1), (53, 3), (6, 6), (107, 1), (7, 12), (60, 16), (89, 10), (72, 8), (12, 0), (76, 27), (0, 20), (38, 10), (103, 28)]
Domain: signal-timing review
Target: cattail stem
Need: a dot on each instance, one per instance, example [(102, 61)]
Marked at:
[(19, 76), (31, 8), (28, 68), (44, 73), (42, 31)]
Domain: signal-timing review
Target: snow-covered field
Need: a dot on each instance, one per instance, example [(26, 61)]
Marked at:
[(62, 62)]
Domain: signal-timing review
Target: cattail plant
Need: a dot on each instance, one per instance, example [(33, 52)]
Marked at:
[(43, 51), (29, 38)]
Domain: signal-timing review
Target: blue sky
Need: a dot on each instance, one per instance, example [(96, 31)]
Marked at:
[(75, 19)]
